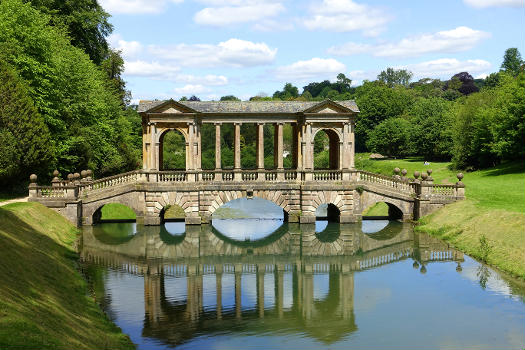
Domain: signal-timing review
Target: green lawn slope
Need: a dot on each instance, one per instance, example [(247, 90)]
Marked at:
[(44, 302), (494, 210)]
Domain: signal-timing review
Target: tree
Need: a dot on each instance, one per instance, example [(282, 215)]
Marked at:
[(390, 137), (85, 21), (289, 92), (194, 98), (431, 128), (462, 82), (113, 65), (512, 61), (392, 77), (378, 102), (25, 143), (230, 98)]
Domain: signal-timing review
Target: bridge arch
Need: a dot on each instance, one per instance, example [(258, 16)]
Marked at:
[(222, 197), (162, 200), (334, 140), (162, 134), (398, 209)]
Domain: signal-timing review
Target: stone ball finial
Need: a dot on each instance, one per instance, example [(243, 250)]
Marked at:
[(459, 176), (416, 174), (429, 172), (424, 176), (83, 173), (76, 175), (415, 265), (404, 172), (423, 269), (396, 170), (56, 173), (89, 172), (70, 176), (33, 178), (459, 268)]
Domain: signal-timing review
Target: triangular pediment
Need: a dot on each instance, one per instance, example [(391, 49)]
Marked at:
[(171, 107), (327, 107)]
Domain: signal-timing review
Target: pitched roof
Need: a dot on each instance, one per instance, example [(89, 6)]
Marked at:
[(250, 106)]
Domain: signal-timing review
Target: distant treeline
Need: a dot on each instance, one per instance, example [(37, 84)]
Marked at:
[(64, 105)]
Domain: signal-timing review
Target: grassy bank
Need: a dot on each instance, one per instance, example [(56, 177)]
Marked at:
[(489, 225), (43, 298)]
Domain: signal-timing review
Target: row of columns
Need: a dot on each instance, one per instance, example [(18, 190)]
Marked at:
[(154, 288)]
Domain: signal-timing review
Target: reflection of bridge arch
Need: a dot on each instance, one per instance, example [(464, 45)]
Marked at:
[(398, 208), (262, 242)]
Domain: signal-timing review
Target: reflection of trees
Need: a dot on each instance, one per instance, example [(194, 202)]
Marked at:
[(483, 274)]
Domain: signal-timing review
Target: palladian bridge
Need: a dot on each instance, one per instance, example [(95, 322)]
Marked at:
[(298, 190)]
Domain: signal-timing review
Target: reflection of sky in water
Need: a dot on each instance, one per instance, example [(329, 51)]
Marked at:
[(243, 229), (320, 225), (373, 226), (175, 228), (256, 208), (320, 285)]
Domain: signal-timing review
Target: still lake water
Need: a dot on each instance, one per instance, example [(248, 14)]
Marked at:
[(324, 286)]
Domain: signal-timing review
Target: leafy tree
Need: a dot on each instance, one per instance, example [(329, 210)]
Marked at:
[(230, 98), (85, 21), (25, 143), (390, 137), (392, 77), (378, 102), (194, 98), (183, 98), (462, 82), (80, 107), (113, 65), (289, 92), (512, 61), (431, 128)]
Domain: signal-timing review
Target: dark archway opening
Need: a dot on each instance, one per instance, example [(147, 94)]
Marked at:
[(326, 149), (327, 212), (172, 151), (383, 211)]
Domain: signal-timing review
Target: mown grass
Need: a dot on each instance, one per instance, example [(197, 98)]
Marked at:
[(44, 302), (117, 211), (494, 209)]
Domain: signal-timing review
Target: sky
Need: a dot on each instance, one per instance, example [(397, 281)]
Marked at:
[(213, 48)]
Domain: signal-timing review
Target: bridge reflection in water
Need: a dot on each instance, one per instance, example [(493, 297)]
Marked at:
[(290, 261)]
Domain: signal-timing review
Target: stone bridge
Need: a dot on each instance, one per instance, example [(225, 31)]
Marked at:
[(299, 190)]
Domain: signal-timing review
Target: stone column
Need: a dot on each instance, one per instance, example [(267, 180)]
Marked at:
[(296, 147), (218, 165), (261, 269), (237, 152), (308, 154), (189, 148), (260, 151), (218, 290), (197, 156), (153, 156), (238, 273), (352, 145), (278, 146)]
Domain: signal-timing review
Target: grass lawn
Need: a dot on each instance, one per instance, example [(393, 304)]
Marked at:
[(117, 211), (44, 302), (494, 209)]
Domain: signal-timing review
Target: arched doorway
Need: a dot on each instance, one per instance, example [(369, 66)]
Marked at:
[(172, 150), (326, 149)]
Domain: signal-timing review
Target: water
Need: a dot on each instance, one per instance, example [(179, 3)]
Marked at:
[(262, 284)]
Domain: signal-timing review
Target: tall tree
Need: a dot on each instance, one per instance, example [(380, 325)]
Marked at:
[(25, 142), (113, 65), (85, 20), (392, 77), (512, 61), (289, 92)]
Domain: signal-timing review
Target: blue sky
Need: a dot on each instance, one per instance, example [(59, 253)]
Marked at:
[(212, 48)]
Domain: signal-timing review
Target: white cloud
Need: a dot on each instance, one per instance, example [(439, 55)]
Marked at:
[(481, 76), (154, 70), (315, 68), (447, 41), (494, 3), (346, 16), (446, 67), (191, 89), (230, 53), (128, 48), (136, 6), (249, 11), (160, 71)]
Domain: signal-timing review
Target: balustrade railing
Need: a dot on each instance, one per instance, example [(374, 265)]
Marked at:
[(385, 181), (52, 191), (172, 176), (228, 176), (249, 176), (327, 175), (443, 190)]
